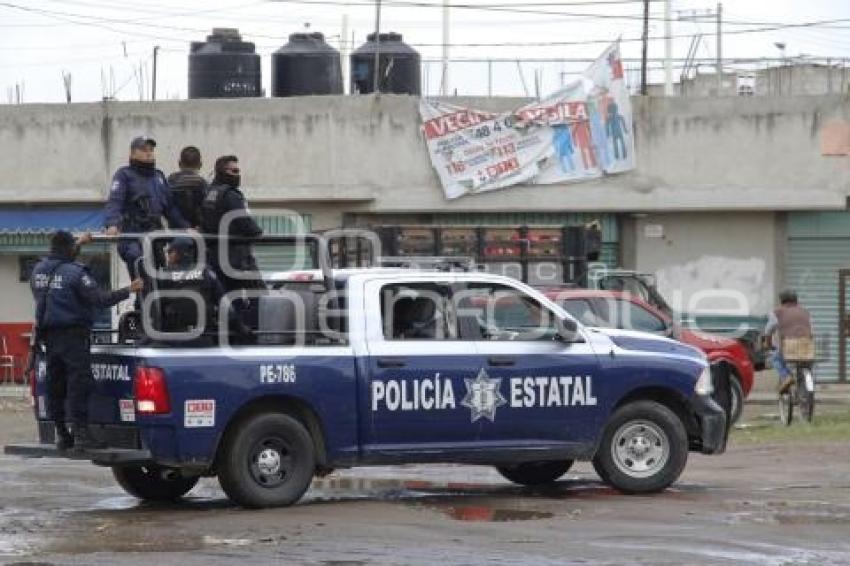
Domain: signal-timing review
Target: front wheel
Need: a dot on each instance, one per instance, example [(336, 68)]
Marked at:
[(267, 461), (644, 448), (152, 483), (535, 473)]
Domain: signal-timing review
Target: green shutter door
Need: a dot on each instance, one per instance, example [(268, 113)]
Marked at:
[(818, 246), (279, 257)]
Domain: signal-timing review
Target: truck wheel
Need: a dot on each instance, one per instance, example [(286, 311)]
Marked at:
[(736, 398), (535, 473), (644, 448), (267, 461), (152, 483)]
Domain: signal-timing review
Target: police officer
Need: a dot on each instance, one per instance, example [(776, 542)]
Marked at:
[(67, 298), (223, 197), (138, 200), (188, 188)]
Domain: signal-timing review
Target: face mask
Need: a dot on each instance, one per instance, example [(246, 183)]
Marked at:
[(146, 165), (232, 180)]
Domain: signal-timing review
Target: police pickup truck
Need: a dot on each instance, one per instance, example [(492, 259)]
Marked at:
[(376, 366)]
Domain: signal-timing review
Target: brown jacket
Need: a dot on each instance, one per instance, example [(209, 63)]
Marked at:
[(793, 321)]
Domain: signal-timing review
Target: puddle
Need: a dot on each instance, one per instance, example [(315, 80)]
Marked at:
[(483, 513), (791, 513)]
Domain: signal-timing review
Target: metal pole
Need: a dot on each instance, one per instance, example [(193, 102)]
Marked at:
[(445, 90), (375, 88), (489, 78), (343, 48), (668, 50), (719, 50), (153, 81), (643, 89)]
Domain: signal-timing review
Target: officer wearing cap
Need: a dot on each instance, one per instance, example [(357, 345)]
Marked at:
[(67, 299), (138, 199)]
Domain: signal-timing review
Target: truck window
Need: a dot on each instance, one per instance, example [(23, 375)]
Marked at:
[(582, 311), (498, 312), (417, 311), (622, 313)]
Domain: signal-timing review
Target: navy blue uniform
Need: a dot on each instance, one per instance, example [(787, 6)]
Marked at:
[(67, 299), (138, 199), (220, 200)]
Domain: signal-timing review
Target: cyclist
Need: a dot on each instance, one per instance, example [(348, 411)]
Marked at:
[(789, 320)]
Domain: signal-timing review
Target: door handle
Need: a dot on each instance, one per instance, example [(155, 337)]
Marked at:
[(501, 361), (391, 362)]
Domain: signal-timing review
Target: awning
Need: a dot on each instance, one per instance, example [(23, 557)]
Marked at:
[(28, 229)]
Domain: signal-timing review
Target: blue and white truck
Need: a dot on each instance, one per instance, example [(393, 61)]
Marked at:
[(370, 366)]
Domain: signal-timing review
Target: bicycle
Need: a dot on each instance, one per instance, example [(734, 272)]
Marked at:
[(799, 353)]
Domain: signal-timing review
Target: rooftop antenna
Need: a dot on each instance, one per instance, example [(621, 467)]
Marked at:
[(66, 83)]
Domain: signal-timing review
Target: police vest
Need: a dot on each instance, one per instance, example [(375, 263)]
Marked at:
[(182, 313), (212, 208)]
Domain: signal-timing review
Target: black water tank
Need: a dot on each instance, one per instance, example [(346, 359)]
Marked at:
[(305, 66), (399, 66), (224, 66)]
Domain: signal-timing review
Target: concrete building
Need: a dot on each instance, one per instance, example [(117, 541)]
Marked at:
[(794, 78), (732, 198)]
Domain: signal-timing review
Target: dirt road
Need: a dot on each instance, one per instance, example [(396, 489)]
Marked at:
[(775, 503)]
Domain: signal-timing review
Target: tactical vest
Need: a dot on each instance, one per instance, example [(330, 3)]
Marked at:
[(212, 208)]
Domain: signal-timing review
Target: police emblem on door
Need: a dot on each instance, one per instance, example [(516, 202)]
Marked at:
[(483, 396)]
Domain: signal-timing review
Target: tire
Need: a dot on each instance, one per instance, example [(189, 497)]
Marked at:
[(148, 484), (736, 398), (268, 461), (786, 408), (644, 448), (535, 473), (807, 399)]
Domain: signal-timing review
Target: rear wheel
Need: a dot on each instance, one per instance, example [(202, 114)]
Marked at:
[(152, 483), (267, 461), (786, 408), (535, 473), (736, 398), (807, 395), (644, 448)]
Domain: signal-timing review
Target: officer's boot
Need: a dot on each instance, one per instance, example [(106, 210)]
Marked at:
[(64, 440), (83, 440)]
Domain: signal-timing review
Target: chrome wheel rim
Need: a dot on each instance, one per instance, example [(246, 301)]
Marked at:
[(640, 449)]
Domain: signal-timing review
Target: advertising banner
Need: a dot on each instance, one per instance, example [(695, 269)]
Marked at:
[(580, 132)]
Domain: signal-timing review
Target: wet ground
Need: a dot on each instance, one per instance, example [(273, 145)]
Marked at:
[(758, 504)]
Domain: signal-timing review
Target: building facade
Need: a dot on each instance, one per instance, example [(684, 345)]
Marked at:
[(732, 198)]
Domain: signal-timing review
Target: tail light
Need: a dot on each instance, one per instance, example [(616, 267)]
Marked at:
[(151, 392)]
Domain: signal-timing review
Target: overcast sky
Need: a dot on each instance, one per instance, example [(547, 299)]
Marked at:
[(91, 39)]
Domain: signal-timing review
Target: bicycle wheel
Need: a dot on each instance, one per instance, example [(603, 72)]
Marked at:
[(807, 396), (786, 408)]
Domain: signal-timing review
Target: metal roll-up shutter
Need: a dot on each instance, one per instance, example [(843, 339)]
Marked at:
[(280, 257), (818, 246), (609, 254)]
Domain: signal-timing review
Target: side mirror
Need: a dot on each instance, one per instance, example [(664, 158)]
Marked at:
[(567, 330)]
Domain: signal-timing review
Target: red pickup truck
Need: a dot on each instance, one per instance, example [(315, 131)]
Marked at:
[(615, 309)]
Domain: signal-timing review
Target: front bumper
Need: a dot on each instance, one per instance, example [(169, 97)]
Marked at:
[(711, 419)]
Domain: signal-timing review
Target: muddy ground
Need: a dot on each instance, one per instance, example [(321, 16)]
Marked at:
[(782, 502)]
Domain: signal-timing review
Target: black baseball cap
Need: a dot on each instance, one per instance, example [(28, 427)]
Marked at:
[(139, 142)]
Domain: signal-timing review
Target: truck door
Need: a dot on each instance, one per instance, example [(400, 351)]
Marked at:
[(416, 369), (548, 390)]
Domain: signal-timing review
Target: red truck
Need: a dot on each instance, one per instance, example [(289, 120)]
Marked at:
[(617, 309)]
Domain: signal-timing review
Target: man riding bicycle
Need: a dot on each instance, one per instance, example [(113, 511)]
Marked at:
[(789, 320)]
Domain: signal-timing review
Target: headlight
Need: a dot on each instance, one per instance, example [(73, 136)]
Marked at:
[(704, 385)]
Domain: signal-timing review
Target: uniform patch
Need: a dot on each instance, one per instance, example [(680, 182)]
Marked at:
[(42, 407), (127, 410), (199, 413)]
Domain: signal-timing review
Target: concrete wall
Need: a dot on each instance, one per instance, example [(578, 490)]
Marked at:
[(367, 153), (17, 298), (728, 259)]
